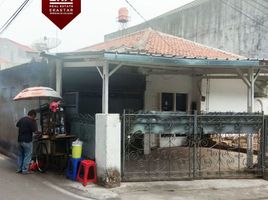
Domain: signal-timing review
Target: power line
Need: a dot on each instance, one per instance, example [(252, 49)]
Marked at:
[(245, 14), (256, 7), (135, 10), (261, 4), (211, 30), (149, 25), (13, 16)]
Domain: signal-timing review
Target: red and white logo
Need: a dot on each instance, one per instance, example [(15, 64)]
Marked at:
[(61, 12)]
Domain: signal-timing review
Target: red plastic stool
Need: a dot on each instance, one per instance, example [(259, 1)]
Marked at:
[(84, 167)]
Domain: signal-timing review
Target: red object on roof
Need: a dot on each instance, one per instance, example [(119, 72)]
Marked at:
[(123, 15), (154, 42)]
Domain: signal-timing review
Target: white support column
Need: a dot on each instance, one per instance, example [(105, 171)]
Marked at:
[(250, 82), (108, 137), (108, 149), (251, 91), (250, 110), (103, 94), (105, 88), (59, 77)]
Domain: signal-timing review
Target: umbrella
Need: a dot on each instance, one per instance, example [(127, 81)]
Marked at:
[(37, 93)]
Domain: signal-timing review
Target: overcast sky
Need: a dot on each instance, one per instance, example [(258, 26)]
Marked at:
[(97, 18)]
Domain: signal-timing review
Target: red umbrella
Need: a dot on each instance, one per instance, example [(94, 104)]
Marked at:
[(37, 93)]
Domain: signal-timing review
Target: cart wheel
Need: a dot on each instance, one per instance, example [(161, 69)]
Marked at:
[(42, 157)]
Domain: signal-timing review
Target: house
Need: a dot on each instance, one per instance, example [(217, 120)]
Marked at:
[(179, 75), (202, 91), (145, 70), (13, 53), (236, 26), (2, 63)]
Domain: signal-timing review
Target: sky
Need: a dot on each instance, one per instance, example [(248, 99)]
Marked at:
[(97, 18)]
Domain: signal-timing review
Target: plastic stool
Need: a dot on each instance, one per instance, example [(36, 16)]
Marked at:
[(72, 167), (82, 175)]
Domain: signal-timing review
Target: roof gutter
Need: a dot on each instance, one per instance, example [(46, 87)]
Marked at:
[(185, 62)]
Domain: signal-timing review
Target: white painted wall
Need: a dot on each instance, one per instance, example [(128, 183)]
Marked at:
[(173, 142), (224, 95), (156, 84), (221, 95), (108, 143)]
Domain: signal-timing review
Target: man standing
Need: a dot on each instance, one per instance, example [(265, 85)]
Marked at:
[(27, 126)]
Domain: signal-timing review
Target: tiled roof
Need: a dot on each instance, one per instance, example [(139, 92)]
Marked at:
[(20, 46), (154, 42)]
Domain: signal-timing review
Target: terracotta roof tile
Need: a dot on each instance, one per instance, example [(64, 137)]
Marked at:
[(155, 42)]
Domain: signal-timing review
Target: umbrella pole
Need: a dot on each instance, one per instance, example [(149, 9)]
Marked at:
[(41, 118)]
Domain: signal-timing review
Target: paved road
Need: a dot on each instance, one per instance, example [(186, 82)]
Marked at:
[(15, 186), (224, 189), (52, 187)]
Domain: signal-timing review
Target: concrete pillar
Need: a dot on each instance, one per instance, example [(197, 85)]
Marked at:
[(59, 77), (250, 110), (251, 91), (108, 149), (265, 150), (105, 89), (250, 150)]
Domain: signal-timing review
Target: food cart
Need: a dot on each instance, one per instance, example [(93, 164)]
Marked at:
[(51, 147)]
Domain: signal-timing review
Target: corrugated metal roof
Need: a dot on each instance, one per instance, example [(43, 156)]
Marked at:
[(153, 42)]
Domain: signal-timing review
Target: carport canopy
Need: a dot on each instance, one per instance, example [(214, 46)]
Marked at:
[(246, 69)]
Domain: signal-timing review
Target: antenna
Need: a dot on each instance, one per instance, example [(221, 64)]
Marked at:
[(46, 43)]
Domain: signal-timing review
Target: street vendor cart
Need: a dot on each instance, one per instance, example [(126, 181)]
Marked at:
[(51, 147)]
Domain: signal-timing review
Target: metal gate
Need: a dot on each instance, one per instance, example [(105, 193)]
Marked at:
[(173, 146)]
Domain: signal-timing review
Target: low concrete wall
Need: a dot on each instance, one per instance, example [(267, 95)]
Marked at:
[(108, 149), (83, 127)]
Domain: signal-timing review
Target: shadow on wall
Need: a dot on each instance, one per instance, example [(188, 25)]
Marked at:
[(83, 127), (12, 81), (10, 113)]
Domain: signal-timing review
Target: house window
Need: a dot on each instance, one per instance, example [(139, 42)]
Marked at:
[(181, 102), (167, 102), (173, 102)]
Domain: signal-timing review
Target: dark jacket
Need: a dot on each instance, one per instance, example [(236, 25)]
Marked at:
[(27, 126)]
